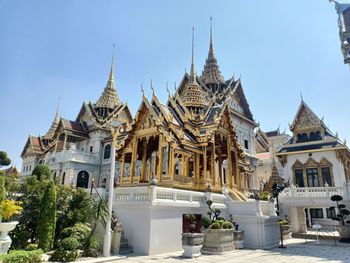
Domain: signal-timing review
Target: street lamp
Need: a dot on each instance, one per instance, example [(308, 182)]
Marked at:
[(107, 236)]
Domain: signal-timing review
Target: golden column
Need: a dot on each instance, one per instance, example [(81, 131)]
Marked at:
[(229, 163)]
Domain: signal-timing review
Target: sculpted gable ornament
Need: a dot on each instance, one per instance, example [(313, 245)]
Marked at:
[(306, 119)]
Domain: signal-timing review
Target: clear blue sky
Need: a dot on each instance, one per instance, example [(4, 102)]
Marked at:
[(63, 48)]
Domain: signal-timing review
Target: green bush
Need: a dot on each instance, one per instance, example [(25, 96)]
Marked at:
[(22, 256), (205, 221), (227, 225), (215, 225), (31, 247), (79, 231), (69, 243), (264, 196), (94, 248), (42, 172), (62, 255)]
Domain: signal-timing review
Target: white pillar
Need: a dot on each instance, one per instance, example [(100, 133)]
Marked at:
[(107, 237)]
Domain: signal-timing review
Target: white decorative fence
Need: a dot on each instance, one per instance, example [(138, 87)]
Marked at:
[(306, 192)]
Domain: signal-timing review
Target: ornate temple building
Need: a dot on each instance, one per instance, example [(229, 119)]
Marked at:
[(79, 150), (317, 165), (343, 11), (190, 142), (204, 135)]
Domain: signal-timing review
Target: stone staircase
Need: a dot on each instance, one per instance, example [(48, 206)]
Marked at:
[(124, 247)]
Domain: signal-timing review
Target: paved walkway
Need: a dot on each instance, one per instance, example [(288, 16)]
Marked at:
[(296, 251)]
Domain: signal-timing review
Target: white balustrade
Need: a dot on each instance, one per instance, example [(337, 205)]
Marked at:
[(306, 192), (72, 155)]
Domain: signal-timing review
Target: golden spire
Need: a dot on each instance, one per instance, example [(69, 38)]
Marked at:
[(193, 72), (211, 73), (192, 96), (109, 98), (111, 73)]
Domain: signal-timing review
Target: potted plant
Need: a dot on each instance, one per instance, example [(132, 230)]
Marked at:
[(218, 233), (8, 208), (341, 214), (192, 241)]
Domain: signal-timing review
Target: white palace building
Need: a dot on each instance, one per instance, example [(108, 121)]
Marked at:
[(317, 165)]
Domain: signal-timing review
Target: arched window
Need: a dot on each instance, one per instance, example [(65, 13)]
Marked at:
[(107, 152), (83, 179)]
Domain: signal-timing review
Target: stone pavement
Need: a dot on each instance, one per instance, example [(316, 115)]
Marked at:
[(297, 251)]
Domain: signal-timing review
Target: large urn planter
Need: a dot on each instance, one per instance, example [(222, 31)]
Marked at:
[(5, 240), (218, 241), (344, 233), (192, 244)]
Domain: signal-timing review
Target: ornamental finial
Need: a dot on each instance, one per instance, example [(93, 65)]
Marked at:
[(143, 92)]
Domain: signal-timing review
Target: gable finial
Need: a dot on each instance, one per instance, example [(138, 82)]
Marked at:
[(167, 88), (152, 87), (175, 85), (301, 96), (143, 92), (58, 108)]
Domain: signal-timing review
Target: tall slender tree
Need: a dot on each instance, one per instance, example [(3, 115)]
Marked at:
[(47, 218)]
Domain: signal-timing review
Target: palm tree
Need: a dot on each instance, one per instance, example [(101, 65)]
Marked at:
[(98, 213)]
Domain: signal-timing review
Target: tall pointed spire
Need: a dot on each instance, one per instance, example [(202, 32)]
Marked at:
[(211, 47), (193, 72), (211, 73), (51, 131), (109, 98), (193, 97)]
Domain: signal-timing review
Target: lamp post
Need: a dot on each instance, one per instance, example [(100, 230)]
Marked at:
[(107, 236)]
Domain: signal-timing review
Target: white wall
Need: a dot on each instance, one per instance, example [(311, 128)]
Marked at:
[(152, 218)]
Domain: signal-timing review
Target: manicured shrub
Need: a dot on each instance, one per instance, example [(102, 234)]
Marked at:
[(31, 247), (69, 243), (62, 255), (205, 221), (80, 231), (227, 225), (215, 225), (22, 256), (47, 218)]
